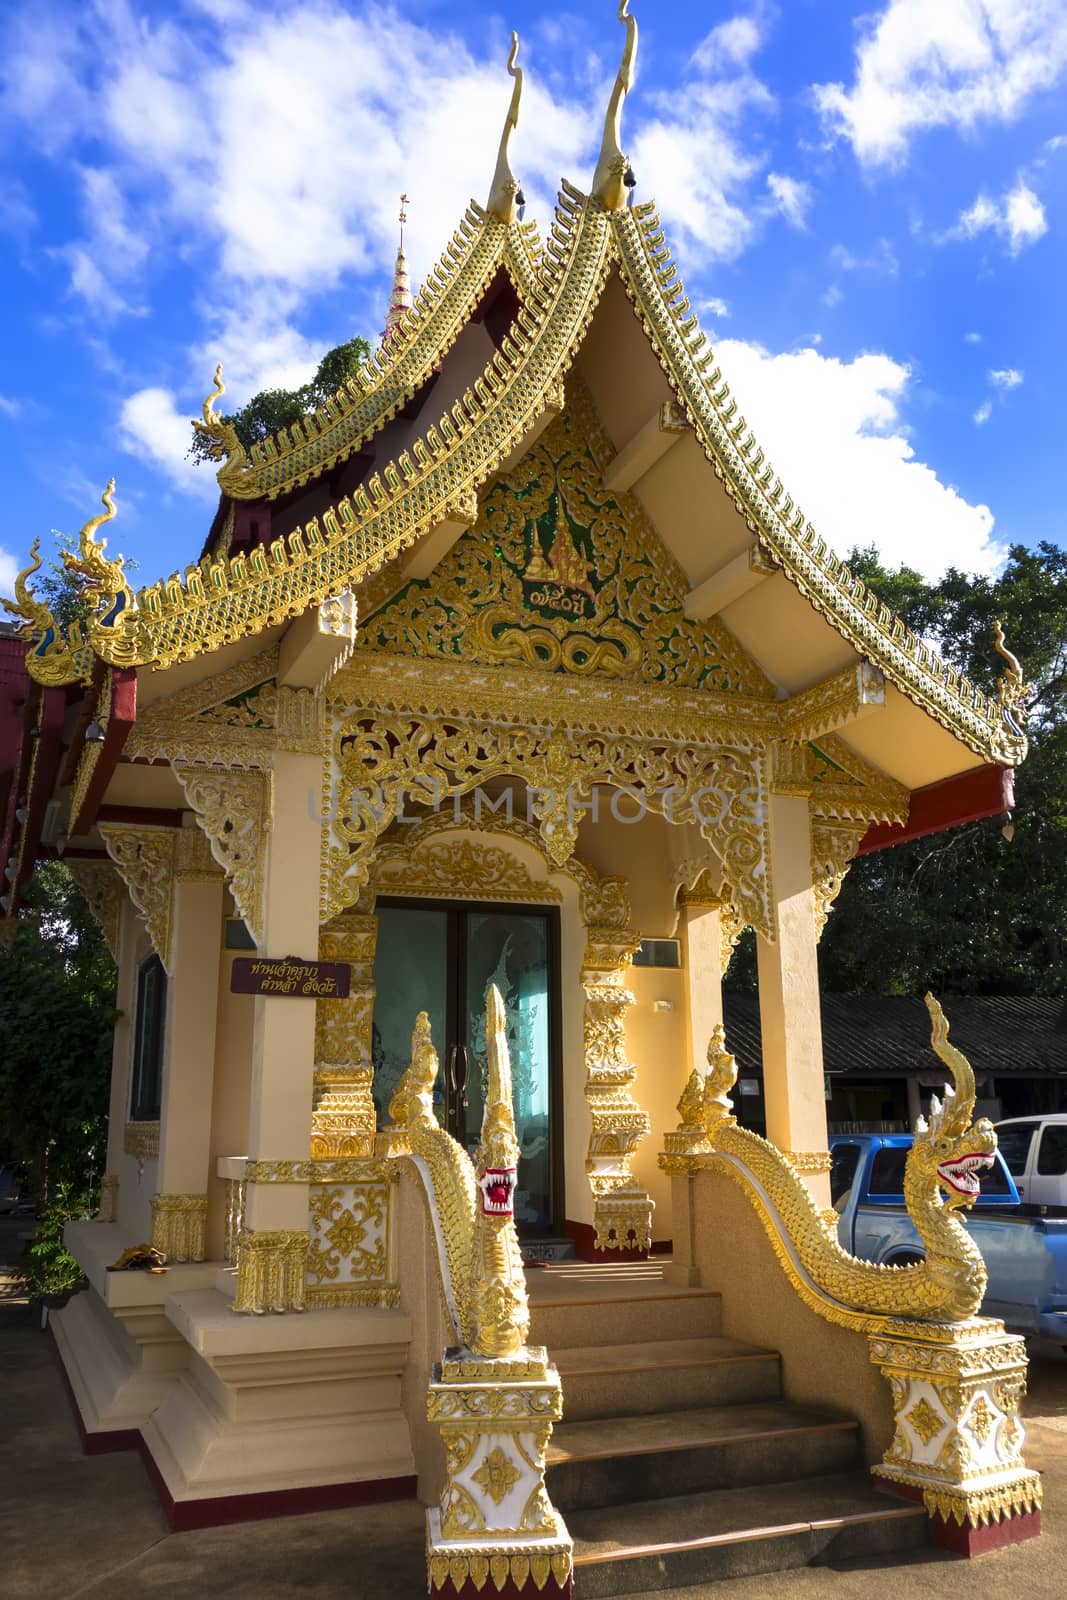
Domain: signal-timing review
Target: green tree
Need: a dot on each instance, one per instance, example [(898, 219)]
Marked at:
[(57, 1009), (272, 409), (968, 911)]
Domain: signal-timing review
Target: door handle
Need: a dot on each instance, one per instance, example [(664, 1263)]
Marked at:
[(461, 1073), (457, 1070)]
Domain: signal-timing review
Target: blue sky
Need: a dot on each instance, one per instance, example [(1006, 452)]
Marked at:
[(868, 203)]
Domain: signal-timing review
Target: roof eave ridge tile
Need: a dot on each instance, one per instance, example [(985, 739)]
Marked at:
[(774, 519)]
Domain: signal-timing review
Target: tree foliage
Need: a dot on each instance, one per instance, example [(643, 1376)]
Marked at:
[(968, 911), (57, 1005), (273, 409)]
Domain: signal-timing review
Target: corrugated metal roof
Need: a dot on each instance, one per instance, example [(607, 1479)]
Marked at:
[(890, 1035)]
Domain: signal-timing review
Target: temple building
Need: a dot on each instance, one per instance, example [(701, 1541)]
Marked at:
[(514, 666)]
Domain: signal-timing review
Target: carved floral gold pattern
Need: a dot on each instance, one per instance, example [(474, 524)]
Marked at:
[(235, 810), (614, 606), (927, 1422), (145, 860)]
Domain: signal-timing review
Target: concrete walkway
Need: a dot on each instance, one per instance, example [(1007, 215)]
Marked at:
[(75, 1527)]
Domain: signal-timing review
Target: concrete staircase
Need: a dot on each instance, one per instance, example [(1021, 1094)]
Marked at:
[(678, 1461)]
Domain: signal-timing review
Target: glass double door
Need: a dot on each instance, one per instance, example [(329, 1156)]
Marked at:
[(441, 958)]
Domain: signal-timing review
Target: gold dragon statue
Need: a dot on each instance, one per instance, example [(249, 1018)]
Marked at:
[(481, 1263), (941, 1177), (64, 655), (222, 442)]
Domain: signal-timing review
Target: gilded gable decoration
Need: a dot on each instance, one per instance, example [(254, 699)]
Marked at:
[(225, 720), (379, 758), (559, 574), (235, 811), (415, 859), (145, 859)]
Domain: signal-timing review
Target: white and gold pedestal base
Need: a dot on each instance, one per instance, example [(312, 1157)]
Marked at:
[(121, 1354), (281, 1413), (495, 1529), (959, 1437)]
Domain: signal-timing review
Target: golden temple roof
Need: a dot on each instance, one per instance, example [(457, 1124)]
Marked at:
[(440, 474)]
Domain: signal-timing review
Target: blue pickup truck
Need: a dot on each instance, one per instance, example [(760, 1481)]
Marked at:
[(1025, 1251)]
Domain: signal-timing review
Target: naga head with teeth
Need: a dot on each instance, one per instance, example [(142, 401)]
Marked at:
[(497, 1157), (955, 1150)]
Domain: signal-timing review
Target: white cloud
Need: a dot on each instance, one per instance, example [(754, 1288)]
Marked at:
[(9, 408), (732, 43), (713, 306), (880, 259), (695, 151), (1025, 217), (924, 64), (972, 338), (9, 569), (983, 414), (152, 428), (835, 432), (294, 158), (792, 197), (832, 296), (275, 154), (1005, 377), (1018, 218)]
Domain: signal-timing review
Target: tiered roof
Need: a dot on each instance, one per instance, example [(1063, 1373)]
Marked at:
[(438, 475)]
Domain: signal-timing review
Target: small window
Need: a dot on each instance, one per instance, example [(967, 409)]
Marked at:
[(845, 1158), (1052, 1154), (887, 1174), (658, 953), (1014, 1144), (148, 1041)]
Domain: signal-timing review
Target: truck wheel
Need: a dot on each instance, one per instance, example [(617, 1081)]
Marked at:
[(906, 1258)]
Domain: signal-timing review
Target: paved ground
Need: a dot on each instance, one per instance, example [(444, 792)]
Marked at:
[(82, 1528)]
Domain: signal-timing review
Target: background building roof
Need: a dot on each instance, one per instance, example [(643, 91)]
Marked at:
[(889, 1036)]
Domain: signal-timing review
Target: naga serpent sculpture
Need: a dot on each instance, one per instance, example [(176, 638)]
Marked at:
[(941, 1177), (472, 1202)]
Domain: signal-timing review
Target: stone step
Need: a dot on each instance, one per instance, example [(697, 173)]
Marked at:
[(628, 1380), (618, 1459), (574, 1307), (700, 1538)]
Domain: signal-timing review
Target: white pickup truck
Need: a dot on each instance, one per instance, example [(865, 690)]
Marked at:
[(1035, 1149)]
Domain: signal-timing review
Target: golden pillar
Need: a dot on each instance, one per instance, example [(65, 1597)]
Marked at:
[(344, 1123)]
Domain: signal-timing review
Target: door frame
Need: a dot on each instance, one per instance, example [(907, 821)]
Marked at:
[(457, 981)]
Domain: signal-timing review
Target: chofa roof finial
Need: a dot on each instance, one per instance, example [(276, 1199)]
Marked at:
[(613, 169), (400, 294), (505, 196)]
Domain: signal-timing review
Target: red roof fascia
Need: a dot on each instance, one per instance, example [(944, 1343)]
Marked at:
[(984, 792), (14, 693), (51, 714), (122, 717)]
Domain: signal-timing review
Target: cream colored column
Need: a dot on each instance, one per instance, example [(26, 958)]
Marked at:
[(179, 1208), (790, 1019), (703, 972), (272, 1246), (119, 1103)]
